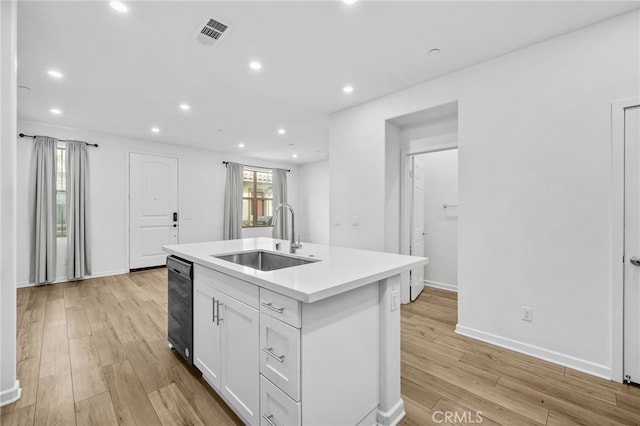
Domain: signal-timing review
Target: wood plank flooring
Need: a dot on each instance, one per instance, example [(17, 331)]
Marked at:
[(94, 352), (445, 372)]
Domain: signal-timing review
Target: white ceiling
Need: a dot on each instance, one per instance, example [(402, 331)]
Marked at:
[(124, 73)]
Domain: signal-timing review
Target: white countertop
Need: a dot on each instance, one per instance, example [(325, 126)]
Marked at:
[(339, 269)]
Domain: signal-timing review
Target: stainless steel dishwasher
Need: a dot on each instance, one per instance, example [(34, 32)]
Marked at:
[(180, 295)]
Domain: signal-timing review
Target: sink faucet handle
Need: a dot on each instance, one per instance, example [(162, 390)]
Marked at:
[(298, 242)]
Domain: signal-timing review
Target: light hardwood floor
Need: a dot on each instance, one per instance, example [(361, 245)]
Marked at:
[(94, 352)]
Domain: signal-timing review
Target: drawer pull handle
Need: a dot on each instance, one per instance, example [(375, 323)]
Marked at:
[(268, 419), (273, 308), (269, 351)]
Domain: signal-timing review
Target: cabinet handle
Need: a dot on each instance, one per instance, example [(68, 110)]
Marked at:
[(269, 351), (268, 419), (273, 308), (218, 319), (213, 309)]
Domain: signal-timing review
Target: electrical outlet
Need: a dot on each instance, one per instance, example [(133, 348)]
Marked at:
[(527, 314), (395, 299), (355, 221), (338, 221)]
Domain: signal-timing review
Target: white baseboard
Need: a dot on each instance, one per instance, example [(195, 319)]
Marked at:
[(441, 286), (9, 396), (585, 366), (393, 416), (64, 280)]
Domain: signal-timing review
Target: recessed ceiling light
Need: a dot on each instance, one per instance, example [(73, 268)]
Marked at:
[(119, 6), (255, 65), (155, 130), (349, 1), (185, 107), (55, 74), (240, 145), (55, 111), (295, 155), (347, 89), (434, 51), (281, 131)]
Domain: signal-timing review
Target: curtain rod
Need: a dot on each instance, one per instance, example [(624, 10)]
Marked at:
[(255, 167), (22, 135)]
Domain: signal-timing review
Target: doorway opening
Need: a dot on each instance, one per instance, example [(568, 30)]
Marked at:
[(425, 145), (434, 219)]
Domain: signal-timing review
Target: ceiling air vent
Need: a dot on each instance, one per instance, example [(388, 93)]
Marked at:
[(210, 32)]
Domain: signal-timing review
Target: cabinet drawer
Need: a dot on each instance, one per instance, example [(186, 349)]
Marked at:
[(231, 286), (282, 307), (276, 408), (280, 354)]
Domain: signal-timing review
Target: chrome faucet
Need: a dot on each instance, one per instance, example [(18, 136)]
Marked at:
[(294, 245)]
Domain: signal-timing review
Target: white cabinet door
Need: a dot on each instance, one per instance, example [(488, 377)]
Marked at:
[(206, 332), (240, 341)]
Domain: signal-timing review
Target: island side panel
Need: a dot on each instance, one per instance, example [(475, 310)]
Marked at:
[(391, 408), (340, 357)]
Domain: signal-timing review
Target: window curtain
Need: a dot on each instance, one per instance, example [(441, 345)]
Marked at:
[(280, 228), (45, 214), (233, 202), (78, 233)]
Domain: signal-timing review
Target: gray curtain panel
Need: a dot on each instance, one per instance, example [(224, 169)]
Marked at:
[(233, 202), (45, 214), (78, 231), (280, 228)]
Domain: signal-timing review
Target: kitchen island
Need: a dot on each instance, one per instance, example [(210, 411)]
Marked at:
[(317, 343)]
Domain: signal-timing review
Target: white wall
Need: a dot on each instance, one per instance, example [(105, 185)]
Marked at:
[(201, 184), (9, 385), (312, 211), (392, 180), (430, 134), (535, 186), (441, 225)]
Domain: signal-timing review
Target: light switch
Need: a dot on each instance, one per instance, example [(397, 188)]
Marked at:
[(338, 221)]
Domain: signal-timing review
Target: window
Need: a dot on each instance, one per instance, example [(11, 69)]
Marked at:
[(61, 192), (257, 198)]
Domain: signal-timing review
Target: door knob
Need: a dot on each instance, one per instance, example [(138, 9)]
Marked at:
[(635, 261)]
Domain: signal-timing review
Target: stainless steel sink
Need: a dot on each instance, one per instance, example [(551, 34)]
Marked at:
[(264, 260)]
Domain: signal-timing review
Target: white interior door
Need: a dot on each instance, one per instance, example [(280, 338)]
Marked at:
[(632, 245), (417, 224), (153, 208)]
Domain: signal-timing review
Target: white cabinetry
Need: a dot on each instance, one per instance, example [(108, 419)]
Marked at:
[(316, 356), (206, 333), (239, 357), (226, 339), (280, 357), (277, 361)]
